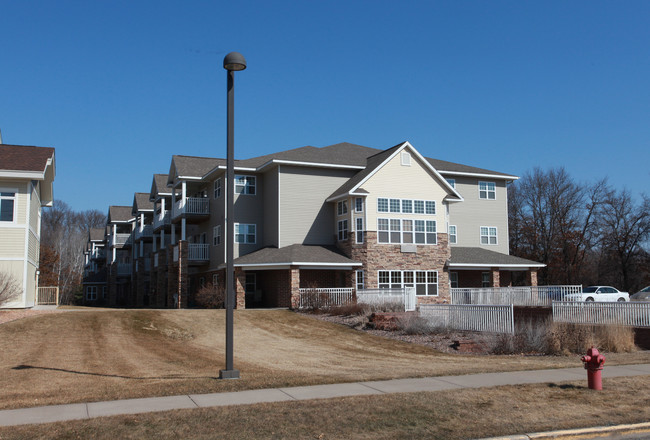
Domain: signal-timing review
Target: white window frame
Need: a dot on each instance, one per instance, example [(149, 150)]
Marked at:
[(342, 228), (453, 236), (247, 234), (424, 281), (487, 233), (358, 226), (215, 279), (381, 201), (487, 189), (360, 280), (245, 185), (405, 159), (358, 204), (216, 235), (342, 207), (4, 195), (453, 280), (91, 293), (420, 231), (217, 188), (486, 279)]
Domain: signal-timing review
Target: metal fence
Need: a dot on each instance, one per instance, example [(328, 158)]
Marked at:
[(48, 296), (325, 297), (477, 318), (381, 297), (518, 296), (633, 314)]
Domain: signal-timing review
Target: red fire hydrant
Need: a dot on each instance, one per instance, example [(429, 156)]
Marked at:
[(594, 364)]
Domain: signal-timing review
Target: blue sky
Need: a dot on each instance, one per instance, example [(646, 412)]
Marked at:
[(119, 87)]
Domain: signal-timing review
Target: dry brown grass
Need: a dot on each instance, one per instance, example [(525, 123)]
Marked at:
[(457, 414), (92, 355)]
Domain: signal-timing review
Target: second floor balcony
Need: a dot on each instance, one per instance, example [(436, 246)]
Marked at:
[(123, 269), (120, 240), (161, 219), (143, 232), (191, 207)]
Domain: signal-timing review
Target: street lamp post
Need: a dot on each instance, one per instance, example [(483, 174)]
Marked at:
[(233, 62)]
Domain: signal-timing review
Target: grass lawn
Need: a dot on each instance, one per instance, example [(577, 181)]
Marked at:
[(95, 355), (457, 414)]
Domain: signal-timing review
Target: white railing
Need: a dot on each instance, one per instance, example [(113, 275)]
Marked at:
[(518, 296), (155, 259), (175, 252), (325, 297), (145, 231), (48, 296), (98, 254), (192, 205), (124, 268), (634, 314), (161, 219), (380, 297), (198, 252), (477, 318), (120, 239)]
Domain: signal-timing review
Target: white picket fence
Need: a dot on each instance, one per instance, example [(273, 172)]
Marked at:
[(518, 296), (633, 314), (325, 297), (477, 318), (380, 297)]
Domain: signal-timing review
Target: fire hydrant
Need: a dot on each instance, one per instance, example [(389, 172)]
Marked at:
[(594, 364)]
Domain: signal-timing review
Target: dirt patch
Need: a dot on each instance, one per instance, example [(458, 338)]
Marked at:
[(12, 315)]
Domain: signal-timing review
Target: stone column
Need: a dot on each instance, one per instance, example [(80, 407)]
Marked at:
[(240, 288), (294, 285), (496, 282), (531, 277)]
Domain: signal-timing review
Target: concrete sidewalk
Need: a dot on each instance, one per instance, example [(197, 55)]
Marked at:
[(76, 411)]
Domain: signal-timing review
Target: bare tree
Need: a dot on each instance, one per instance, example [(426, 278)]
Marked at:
[(9, 288), (624, 227)]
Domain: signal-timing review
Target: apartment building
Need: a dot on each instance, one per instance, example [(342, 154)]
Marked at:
[(26, 186), (344, 215)]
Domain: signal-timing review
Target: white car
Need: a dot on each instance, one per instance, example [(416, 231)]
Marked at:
[(598, 293)]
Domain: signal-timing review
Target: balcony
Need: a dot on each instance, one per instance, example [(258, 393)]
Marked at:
[(119, 240), (161, 219), (198, 252), (143, 232), (191, 207), (98, 254), (123, 269)]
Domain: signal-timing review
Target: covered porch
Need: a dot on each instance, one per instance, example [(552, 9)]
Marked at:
[(273, 277), (478, 267)]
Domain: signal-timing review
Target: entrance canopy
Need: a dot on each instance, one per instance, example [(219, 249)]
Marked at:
[(296, 255), (471, 258)]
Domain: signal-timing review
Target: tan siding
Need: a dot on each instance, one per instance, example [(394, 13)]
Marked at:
[(270, 182), (305, 217), (31, 285), (33, 247), (15, 269), (470, 215), (12, 243), (34, 210), (394, 180), (249, 210)]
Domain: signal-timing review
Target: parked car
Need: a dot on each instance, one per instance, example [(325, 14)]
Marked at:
[(598, 293), (641, 295)]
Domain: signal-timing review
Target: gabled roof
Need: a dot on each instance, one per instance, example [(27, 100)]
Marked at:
[(159, 187), (475, 257), (296, 255), (119, 214), (374, 163), (183, 167), (34, 163), (96, 234), (141, 203)]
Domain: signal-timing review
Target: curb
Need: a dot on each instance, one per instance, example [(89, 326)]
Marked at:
[(579, 433)]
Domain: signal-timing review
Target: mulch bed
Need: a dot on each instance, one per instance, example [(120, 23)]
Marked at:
[(453, 342)]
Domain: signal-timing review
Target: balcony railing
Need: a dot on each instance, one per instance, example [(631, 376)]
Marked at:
[(198, 252), (161, 219), (119, 240), (98, 254), (145, 231), (123, 269), (192, 206)]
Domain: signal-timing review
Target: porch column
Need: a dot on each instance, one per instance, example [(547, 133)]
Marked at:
[(154, 242), (183, 228), (495, 277), (531, 277), (162, 239), (294, 287)]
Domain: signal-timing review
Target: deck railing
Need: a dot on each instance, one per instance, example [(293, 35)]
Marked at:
[(48, 296), (477, 318), (325, 297), (161, 219), (124, 269), (198, 252), (145, 231), (632, 314), (193, 206), (120, 239), (518, 296), (380, 297)]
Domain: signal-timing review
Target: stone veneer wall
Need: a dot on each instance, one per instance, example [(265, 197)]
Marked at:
[(375, 257)]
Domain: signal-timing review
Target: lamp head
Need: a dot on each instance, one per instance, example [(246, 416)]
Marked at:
[(234, 61)]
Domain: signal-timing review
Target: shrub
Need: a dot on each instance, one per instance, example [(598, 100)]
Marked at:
[(349, 309), (211, 297), (412, 324)]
